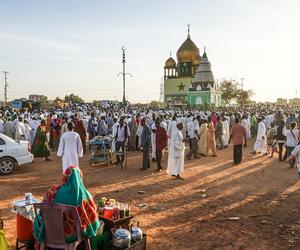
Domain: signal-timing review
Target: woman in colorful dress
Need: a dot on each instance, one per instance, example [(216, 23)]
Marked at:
[(72, 192), (79, 128), (211, 139), (57, 133), (40, 147)]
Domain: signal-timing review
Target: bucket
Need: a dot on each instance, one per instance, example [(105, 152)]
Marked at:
[(24, 228)]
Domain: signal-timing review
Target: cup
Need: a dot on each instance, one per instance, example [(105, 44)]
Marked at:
[(28, 198)]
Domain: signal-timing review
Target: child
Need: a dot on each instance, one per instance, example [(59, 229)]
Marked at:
[(272, 139), (274, 148)]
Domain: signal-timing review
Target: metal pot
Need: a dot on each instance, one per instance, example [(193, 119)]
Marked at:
[(121, 238), (136, 232)]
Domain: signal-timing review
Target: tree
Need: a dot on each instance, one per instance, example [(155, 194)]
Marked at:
[(57, 99), (43, 99), (155, 104), (229, 90), (243, 96), (73, 98)]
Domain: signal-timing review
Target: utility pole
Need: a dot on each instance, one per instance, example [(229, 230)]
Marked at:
[(5, 86), (124, 74), (242, 82), (161, 92)]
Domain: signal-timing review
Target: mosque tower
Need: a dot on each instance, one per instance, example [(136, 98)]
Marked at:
[(190, 81), (203, 88)]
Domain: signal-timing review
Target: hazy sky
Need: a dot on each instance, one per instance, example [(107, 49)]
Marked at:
[(58, 47)]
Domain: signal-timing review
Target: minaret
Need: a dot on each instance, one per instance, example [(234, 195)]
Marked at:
[(204, 76)]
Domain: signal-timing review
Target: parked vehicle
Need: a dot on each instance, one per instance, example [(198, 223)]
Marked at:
[(13, 153)]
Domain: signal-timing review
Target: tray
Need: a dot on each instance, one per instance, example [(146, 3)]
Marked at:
[(109, 224)]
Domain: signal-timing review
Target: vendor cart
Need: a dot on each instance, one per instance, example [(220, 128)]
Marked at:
[(100, 151)]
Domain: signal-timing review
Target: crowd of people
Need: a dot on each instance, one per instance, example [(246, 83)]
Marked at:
[(68, 130), (205, 133)]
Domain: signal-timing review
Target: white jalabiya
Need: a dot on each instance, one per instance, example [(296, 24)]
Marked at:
[(171, 128), (27, 132), (139, 134), (20, 133), (34, 125), (261, 140), (70, 148), (250, 135), (176, 153), (246, 125), (225, 136), (153, 140)]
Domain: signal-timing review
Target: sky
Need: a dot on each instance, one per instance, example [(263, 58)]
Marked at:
[(59, 47)]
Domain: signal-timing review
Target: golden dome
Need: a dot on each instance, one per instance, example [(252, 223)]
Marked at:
[(170, 63), (197, 60), (187, 51)]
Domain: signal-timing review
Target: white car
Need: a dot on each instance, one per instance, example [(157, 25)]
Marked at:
[(13, 153)]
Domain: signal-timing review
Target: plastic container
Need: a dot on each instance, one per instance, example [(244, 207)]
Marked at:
[(107, 212), (24, 228)]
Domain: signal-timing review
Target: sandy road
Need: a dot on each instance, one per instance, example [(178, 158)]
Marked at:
[(188, 214)]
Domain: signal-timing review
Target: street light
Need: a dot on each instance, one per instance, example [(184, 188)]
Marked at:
[(124, 74)]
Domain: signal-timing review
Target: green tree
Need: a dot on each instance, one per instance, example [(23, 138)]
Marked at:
[(43, 99), (243, 96), (57, 99), (155, 104), (73, 98), (229, 90)]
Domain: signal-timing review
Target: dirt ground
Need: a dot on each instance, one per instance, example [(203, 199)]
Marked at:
[(186, 214)]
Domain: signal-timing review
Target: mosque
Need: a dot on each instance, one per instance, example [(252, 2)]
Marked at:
[(190, 81)]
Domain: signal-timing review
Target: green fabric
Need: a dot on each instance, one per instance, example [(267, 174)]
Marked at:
[(73, 193), (253, 121), (40, 146), (100, 242)]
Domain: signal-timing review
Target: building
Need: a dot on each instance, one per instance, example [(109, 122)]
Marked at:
[(294, 102), (281, 102), (25, 104), (37, 98), (251, 103), (190, 81)]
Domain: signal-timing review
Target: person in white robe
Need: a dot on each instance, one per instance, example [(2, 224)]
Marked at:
[(8, 128), (70, 148), (246, 125), (171, 127), (27, 130), (20, 130), (34, 124), (164, 124), (225, 135), (176, 152), (269, 119), (261, 140), (153, 139), (249, 122), (114, 132)]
